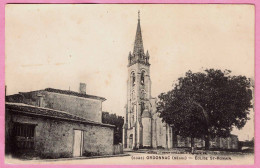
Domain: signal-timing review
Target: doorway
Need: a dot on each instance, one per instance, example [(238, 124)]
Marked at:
[(78, 143), (131, 141)]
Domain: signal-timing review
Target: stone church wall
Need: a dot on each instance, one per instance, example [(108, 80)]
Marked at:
[(147, 134)]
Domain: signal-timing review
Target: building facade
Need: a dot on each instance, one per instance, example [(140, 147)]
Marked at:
[(55, 123)]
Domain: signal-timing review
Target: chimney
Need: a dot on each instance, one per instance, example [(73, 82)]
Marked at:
[(82, 88), (40, 100)]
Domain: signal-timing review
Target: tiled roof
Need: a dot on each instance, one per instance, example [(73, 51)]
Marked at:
[(68, 92), (46, 112)]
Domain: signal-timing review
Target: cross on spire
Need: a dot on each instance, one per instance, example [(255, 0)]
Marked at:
[(138, 15)]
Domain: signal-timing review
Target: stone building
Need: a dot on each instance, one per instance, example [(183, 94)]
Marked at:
[(57, 123), (143, 128)]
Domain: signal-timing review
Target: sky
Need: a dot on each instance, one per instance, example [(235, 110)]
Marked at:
[(60, 46)]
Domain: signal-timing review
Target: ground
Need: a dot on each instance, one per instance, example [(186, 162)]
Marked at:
[(159, 157)]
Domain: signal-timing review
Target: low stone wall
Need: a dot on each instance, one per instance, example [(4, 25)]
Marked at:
[(118, 149), (230, 142)]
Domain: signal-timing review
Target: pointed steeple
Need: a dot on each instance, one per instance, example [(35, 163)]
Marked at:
[(138, 46), (138, 55)]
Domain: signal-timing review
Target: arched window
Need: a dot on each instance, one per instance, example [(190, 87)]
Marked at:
[(142, 77), (133, 119), (130, 120), (135, 113), (133, 78), (142, 108)]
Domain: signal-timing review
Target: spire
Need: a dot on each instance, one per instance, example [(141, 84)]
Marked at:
[(138, 46), (147, 54), (138, 55)]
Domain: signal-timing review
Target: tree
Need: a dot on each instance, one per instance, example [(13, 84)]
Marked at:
[(118, 121), (207, 104)]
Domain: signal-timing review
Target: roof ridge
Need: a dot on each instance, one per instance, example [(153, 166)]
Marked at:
[(73, 93), (59, 111), (28, 105)]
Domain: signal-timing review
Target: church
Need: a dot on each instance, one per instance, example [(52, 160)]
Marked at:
[(143, 128)]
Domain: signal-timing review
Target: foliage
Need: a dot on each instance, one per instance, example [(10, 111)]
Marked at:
[(207, 103), (118, 121)]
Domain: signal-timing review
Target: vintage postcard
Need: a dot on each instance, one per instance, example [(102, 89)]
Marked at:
[(130, 84)]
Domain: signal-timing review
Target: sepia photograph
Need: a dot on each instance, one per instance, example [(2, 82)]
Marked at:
[(130, 84)]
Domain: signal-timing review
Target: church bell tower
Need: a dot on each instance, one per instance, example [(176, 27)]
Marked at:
[(137, 127)]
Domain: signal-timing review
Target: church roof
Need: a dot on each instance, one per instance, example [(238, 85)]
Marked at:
[(66, 92), (69, 92)]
